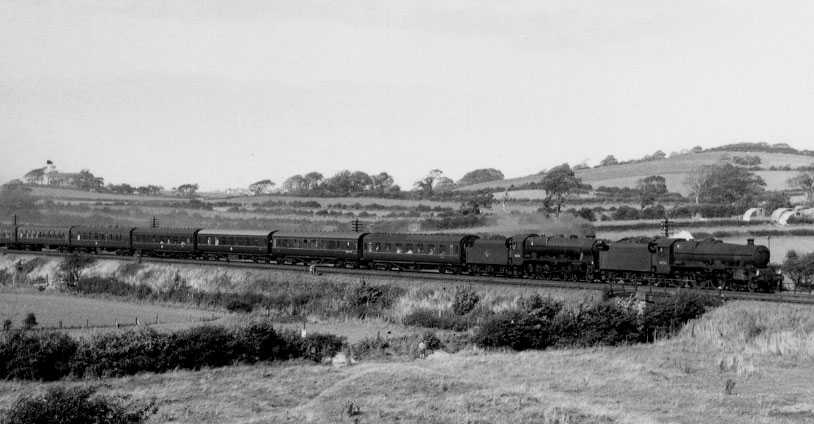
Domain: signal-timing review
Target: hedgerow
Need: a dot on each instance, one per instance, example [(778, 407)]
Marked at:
[(51, 356), (606, 323)]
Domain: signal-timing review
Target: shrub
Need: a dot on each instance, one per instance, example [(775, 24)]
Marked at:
[(35, 356), (430, 340), (430, 318), (604, 324), (7, 324), (666, 315), (466, 298), (238, 305), (517, 330), (538, 306), (363, 299), (625, 213), (260, 342), (30, 321), (206, 346), (118, 354), (77, 405), (315, 347)]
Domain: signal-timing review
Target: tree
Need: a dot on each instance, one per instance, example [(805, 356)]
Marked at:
[(187, 190), (261, 187), (121, 188), (426, 184), (698, 182), (360, 182), (72, 267), (478, 176), (799, 269), (557, 183), (650, 189), (443, 184), (697, 149), (657, 155), (608, 161), (805, 182), (382, 182), (313, 180), (35, 176), (85, 180), (295, 184), (730, 184)]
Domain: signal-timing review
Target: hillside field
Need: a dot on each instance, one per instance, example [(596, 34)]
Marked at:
[(674, 170), (763, 350)]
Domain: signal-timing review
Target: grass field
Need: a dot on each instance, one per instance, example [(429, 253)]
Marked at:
[(674, 169), (52, 308), (765, 350)]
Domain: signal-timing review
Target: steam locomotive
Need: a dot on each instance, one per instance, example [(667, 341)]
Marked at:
[(658, 261)]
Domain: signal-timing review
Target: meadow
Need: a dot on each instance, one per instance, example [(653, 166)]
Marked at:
[(742, 363), (674, 169), (52, 309)]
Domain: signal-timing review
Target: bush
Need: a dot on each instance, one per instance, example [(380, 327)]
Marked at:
[(666, 315), (30, 321), (363, 299), (625, 213), (77, 405), (429, 318), (517, 330), (538, 306), (315, 347), (466, 298), (35, 356), (606, 323), (119, 354), (206, 346), (238, 305)]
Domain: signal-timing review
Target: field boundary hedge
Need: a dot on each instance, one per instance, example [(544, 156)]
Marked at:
[(49, 356)]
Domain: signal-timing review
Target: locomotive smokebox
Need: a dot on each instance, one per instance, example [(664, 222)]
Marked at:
[(750, 242)]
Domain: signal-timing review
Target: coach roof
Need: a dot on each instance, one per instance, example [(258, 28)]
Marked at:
[(319, 235), (243, 233)]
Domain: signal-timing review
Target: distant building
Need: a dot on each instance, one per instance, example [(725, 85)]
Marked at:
[(60, 179)]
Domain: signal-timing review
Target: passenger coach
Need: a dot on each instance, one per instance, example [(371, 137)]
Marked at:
[(442, 252)]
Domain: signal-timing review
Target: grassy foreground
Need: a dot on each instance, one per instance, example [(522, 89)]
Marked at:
[(766, 350)]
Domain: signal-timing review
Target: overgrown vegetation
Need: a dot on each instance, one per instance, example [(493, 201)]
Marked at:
[(541, 324), (51, 356), (77, 405)]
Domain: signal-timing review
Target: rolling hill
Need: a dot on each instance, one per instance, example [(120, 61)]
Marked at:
[(674, 169)]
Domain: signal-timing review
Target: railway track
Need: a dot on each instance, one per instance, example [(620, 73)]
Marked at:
[(480, 280)]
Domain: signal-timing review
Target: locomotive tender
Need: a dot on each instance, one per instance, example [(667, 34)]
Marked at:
[(657, 261)]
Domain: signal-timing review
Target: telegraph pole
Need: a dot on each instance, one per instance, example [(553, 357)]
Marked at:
[(357, 225), (665, 226), (154, 222)]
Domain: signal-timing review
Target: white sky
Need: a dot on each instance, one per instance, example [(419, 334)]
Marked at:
[(224, 93)]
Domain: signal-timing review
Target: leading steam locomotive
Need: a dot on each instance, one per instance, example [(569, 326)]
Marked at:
[(657, 261)]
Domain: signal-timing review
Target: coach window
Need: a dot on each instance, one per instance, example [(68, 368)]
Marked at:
[(455, 249), (442, 249), (398, 247), (409, 248)]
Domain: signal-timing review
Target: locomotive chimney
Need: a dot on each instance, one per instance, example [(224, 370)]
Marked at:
[(750, 242)]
